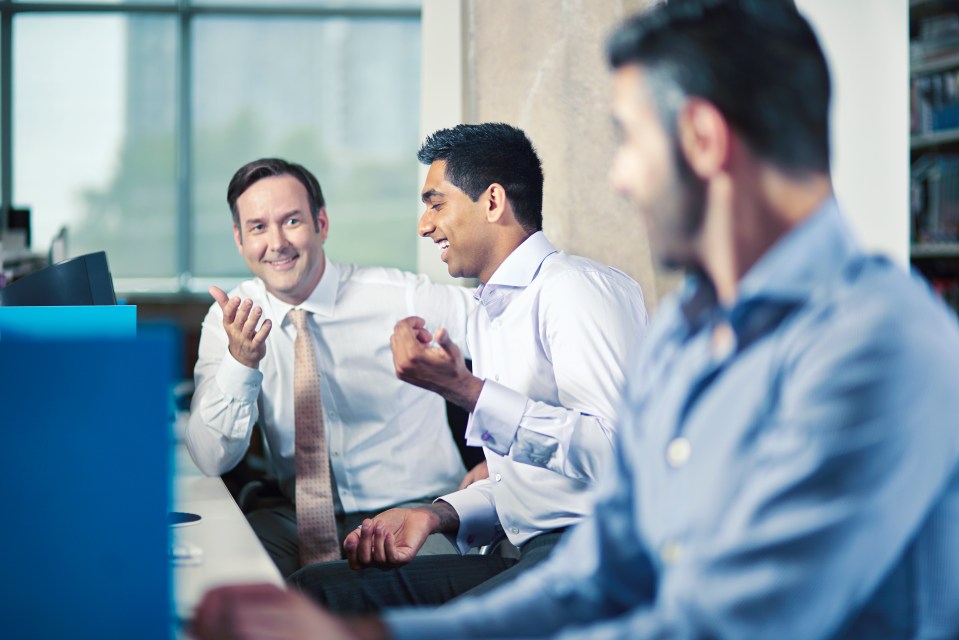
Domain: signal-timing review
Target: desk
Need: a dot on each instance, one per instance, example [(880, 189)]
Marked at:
[(232, 554)]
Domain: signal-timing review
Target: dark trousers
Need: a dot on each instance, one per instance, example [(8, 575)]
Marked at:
[(427, 580), (275, 526)]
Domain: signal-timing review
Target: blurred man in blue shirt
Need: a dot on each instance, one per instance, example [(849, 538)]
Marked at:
[(789, 456)]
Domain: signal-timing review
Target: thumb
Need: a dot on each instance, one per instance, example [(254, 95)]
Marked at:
[(444, 341), (219, 295), (349, 544)]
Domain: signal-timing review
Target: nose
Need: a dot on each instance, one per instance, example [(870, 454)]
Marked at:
[(426, 226), (277, 239)]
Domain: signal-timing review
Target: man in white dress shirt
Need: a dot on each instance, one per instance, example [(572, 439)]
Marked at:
[(550, 342), (388, 442)]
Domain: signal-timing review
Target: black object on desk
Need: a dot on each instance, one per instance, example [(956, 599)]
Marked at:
[(84, 280), (181, 518)]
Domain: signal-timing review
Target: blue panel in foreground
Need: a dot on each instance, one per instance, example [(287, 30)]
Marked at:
[(39, 323), (85, 427)]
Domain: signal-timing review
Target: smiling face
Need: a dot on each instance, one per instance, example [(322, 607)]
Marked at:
[(457, 225), (649, 169), (277, 238)]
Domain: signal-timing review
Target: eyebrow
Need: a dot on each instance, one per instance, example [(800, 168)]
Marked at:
[(432, 193)]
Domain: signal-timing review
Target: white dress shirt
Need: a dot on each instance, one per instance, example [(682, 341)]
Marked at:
[(389, 442), (552, 338)]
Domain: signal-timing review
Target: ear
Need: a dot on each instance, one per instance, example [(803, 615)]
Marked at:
[(496, 202), (704, 137), (322, 223), (237, 238)]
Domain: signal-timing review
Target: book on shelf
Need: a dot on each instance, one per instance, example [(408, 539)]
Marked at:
[(947, 289), (934, 198), (934, 102), (936, 36)]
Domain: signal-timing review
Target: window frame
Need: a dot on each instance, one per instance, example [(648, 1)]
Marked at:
[(186, 11)]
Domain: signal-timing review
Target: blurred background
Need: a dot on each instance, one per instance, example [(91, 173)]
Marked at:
[(122, 121)]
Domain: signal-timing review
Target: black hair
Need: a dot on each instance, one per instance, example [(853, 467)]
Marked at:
[(477, 155), (253, 172), (758, 61)]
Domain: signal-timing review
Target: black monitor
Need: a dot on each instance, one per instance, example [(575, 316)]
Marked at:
[(84, 280)]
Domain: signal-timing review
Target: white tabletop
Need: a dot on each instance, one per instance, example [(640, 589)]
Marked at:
[(230, 552)]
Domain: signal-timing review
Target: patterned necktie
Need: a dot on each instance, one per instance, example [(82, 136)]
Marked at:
[(315, 520)]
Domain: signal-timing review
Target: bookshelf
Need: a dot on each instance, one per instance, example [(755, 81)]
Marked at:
[(934, 143)]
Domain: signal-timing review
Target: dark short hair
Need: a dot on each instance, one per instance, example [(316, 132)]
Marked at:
[(252, 172), (758, 61), (477, 155)]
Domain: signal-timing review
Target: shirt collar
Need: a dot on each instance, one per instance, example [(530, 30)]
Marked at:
[(521, 266), (516, 272), (803, 258), (321, 302), (787, 273)]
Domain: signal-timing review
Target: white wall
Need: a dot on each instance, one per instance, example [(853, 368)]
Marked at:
[(441, 99), (867, 45)]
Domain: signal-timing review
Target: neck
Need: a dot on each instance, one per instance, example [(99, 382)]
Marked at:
[(507, 242), (746, 214), (305, 292)]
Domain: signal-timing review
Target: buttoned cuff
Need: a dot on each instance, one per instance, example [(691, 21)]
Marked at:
[(477, 514), (237, 381), (496, 417)]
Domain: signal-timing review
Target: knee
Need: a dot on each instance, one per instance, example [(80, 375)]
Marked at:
[(322, 582)]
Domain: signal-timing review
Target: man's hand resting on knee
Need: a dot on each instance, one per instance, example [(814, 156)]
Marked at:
[(393, 538)]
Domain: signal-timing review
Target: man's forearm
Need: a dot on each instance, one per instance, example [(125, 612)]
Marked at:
[(443, 517), (464, 392)]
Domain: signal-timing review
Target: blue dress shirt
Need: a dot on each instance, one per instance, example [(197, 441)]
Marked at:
[(788, 468)]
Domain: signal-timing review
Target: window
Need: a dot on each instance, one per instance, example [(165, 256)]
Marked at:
[(128, 120), (94, 149)]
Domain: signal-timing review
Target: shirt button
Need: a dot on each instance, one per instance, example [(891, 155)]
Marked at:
[(723, 341), (678, 451), (671, 552), (496, 377), (498, 477), (333, 415), (336, 454), (469, 539), (486, 436), (513, 530)]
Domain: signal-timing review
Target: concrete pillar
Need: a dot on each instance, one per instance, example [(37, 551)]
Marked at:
[(540, 65)]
